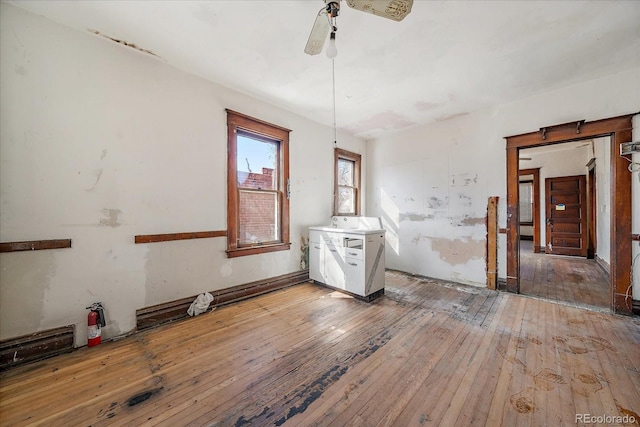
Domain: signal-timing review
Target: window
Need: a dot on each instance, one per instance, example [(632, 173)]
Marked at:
[(526, 202), (347, 183), (257, 186)]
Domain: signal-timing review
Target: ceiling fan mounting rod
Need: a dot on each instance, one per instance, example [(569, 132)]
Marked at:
[(333, 8)]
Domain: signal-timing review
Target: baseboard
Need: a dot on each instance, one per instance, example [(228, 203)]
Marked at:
[(36, 346), (636, 307), (155, 315), (538, 250), (604, 266), (523, 237), (502, 284)]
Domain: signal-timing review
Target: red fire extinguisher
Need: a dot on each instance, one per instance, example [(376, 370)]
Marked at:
[(95, 322)]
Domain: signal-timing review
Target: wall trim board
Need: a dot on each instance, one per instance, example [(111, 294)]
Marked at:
[(34, 245), (155, 315), (36, 346), (492, 242), (154, 238)]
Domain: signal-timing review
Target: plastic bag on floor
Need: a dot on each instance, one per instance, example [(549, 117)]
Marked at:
[(200, 304)]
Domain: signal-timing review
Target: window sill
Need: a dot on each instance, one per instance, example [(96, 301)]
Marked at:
[(254, 250)]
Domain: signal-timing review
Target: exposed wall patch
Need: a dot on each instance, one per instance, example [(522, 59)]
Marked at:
[(110, 218), (125, 43), (458, 251), (415, 217), (467, 220)]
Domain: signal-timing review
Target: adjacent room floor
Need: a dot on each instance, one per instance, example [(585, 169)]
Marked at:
[(427, 353), (567, 279)]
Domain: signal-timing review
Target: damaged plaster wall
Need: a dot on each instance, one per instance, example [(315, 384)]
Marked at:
[(99, 143), (430, 184)]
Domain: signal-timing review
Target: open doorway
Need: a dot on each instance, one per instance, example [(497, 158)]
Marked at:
[(558, 196), (619, 130)]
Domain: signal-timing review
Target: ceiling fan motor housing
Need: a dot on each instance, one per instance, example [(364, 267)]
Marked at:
[(333, 8)]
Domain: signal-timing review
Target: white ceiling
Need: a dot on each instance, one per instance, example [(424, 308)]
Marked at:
[(446, 59)]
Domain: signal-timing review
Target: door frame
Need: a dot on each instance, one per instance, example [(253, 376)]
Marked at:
[(592, 224), (619, 129), (536, 205)]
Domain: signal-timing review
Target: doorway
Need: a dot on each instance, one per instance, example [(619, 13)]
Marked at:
[(619, 130), (557, 268)]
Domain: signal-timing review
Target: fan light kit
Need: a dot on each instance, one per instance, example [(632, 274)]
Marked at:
[(325, 22)]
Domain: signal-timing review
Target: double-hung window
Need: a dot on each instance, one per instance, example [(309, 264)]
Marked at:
[(526, 202), (347, 183), (257, 186)]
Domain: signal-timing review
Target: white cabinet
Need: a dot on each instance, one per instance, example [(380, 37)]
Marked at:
[(349, 260)]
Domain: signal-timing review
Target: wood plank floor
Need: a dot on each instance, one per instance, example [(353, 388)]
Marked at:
[(428, 353), (573, 280)]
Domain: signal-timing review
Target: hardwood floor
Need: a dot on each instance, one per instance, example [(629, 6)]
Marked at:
[(427, 353), (573, 280)]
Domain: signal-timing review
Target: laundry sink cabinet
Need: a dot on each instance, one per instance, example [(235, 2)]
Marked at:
[(350, 260)]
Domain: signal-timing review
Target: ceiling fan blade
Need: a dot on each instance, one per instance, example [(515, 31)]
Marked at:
[(391, 9), (319, 33)]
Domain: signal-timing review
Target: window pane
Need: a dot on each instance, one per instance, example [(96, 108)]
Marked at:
[(258, 217), (345, 172), (346, 200), (256, 162), (526, 202)]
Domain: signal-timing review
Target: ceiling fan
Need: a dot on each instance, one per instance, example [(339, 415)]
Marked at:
[(325, 22)]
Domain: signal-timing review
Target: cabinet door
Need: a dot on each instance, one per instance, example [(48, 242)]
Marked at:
[(334, 266), (316, 268), (354, 276)]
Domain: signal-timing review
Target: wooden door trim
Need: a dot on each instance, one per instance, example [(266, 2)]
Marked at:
[(536, 205), (619, 129), (592, 226)]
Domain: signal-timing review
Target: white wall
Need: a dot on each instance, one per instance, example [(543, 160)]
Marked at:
[(431, 183), (99, 143), (602, 150)]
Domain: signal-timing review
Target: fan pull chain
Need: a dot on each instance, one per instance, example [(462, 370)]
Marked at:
[(333, 79)]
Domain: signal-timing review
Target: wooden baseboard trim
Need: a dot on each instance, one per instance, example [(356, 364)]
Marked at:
[(636, 307), (36, 346), (155, 315), (523, 237)]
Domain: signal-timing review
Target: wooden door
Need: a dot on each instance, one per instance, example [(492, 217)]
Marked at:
[(566, 213)]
